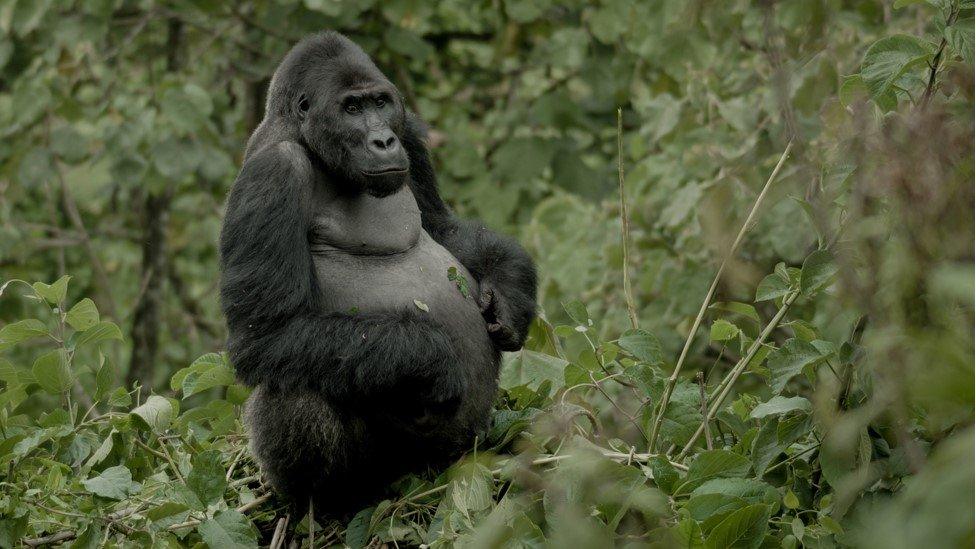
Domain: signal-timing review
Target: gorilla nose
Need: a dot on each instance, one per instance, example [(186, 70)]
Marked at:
[(383, 143)]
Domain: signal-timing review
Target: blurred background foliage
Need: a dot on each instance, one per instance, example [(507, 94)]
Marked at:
[(123, 124)]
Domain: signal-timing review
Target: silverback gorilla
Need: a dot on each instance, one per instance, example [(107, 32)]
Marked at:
[(368, 360)]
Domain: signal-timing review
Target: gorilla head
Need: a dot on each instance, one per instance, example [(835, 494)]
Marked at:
[(347, 113)]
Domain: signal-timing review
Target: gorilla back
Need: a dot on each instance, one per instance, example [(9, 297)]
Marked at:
[(336, 252)]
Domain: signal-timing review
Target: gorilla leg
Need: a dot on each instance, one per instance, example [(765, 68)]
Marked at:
[(308, 450)]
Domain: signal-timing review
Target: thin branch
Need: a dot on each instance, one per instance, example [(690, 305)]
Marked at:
[(64, 535), (242, 509), (937, 60), (613, 402), (625, 224), (673, 380), (704, 409)]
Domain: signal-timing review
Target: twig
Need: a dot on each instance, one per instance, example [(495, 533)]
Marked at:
[(722, 391), (311, 522), (613, 402), (230, 470), (242, 509), (545, 460), (937, 60), (625, 224), (64, 535), (279, 534), (673, 380), (704, 409)]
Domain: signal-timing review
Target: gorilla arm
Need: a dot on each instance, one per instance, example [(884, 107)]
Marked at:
[(504, 271), (279, 336)]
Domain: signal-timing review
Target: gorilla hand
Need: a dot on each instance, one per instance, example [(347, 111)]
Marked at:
[(498, 319)]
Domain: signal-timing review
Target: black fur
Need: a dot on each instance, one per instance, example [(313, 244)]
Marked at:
[(321, 258)]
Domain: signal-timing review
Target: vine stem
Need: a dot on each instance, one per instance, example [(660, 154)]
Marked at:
[(723, 389), (673, 380), (625, 223)]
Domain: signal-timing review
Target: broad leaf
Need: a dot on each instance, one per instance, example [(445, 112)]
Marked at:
[(83, 315), (155, 414), (113, 483), (643, 346), (228, 529), (743, 529)]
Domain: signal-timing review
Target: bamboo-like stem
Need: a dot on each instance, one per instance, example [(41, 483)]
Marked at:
[(673, 380), (723, 389), (625, 224)]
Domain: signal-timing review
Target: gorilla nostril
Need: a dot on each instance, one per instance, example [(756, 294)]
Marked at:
[(391, 141), (379, 144)]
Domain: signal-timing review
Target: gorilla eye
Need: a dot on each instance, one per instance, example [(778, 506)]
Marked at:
[(352, 108), (380, 102), (303, 104)]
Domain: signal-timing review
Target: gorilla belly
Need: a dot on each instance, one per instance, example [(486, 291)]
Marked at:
[(416, 277), (372, 254)]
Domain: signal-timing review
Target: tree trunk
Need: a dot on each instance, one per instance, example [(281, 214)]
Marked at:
[(146, 318)]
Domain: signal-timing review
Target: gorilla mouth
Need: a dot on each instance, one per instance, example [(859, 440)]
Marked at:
[(385, 171)]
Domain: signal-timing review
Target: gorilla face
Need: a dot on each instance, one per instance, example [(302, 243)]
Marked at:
[(352, 118)]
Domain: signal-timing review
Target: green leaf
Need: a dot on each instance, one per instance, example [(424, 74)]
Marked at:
[(155, 414), (772, 287), (712, 464), (780, 405), (665, 474), (228, 529), (766, 446), (888, 59), (818, 270), (789, 360), (52, 371), (421, 305), (104, 379), (959, 36), (357, 531), (577, 311), (206, 478), (113, 483), (27, 16), (209, 371), (532, 369), (790, 501), (741, 309), (83, 315), (643, 346), (120, 398), (704, 506), (749, 489), (15, 332), (53, 293), (101, 331), (852, 90), (723, 330), (688, 534), (744, 529)]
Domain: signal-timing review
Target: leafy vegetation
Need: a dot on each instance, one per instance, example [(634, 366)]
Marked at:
[(757, 276)]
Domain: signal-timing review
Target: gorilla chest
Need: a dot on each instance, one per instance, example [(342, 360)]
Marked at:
[(372, 254)]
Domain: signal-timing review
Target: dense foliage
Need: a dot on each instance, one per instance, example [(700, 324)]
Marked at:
[(804, 381)]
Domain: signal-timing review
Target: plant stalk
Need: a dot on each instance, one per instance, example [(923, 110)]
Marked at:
[(673, 380), (625, 223), (723, 389)]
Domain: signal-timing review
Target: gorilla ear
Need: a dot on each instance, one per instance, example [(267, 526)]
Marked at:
[(303, 106)]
